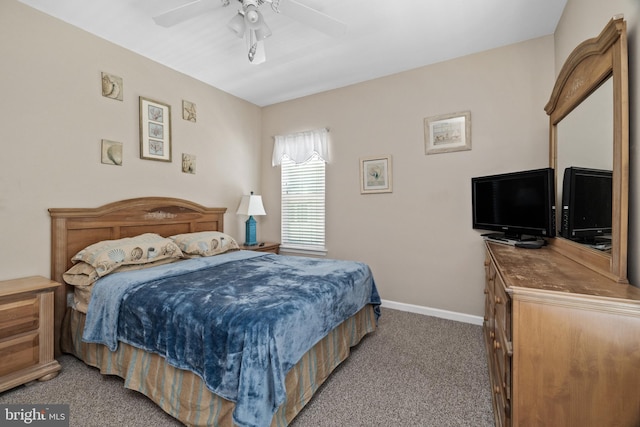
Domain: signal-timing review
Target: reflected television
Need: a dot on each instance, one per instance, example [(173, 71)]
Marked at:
[(586, 204)]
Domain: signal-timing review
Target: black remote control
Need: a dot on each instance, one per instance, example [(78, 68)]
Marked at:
[(532, 244)]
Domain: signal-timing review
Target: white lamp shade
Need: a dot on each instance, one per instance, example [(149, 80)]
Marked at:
[(237, 25), (263, 32), (251, 206)]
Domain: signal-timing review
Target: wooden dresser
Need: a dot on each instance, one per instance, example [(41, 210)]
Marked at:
[(563, 342), (26, 331)]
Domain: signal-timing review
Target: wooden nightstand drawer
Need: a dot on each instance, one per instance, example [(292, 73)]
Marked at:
[(19, 315), (26, 331), (19, 353), (263, 247)]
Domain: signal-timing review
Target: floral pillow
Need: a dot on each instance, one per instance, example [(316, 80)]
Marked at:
[(109, 255), (205, 243)]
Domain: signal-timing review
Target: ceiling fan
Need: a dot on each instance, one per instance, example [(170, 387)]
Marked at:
[(249, 22)]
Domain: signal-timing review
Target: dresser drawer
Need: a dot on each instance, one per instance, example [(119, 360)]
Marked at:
[(489, 298), (502, 352), (496, 398), (18, 353), (19, 315), (488, 320), (500, 402), (503, 308)]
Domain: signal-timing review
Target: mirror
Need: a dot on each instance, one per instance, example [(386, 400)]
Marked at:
[(587, 133), (589, 128), (587, 140)]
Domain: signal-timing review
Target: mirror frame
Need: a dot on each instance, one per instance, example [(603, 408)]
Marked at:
[(589, 65)]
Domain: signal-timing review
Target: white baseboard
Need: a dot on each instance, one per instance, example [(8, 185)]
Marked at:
[(435, 312)]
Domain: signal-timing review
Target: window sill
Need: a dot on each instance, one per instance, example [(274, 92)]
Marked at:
[(297, 250)]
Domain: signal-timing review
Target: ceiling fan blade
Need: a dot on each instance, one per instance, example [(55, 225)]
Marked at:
[(182, 13), (313, 18)]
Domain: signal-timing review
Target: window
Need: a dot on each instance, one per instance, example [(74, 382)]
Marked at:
[(302, 157), (303, 208)]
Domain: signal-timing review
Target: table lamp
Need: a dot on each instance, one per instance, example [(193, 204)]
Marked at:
[(251, 205)]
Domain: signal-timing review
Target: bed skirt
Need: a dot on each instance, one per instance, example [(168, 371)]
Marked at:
[(183, 395)]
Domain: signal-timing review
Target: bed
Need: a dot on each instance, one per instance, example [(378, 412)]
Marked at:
[(213, 338)]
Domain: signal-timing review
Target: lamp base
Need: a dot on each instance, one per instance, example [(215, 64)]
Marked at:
[(250, 232)]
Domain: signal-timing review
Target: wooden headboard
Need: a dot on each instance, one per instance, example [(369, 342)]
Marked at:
[(76, 228)]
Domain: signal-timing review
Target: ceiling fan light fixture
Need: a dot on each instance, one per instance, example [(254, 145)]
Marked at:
[(253, 17), (255, 48), (263, 32), (237, 25)]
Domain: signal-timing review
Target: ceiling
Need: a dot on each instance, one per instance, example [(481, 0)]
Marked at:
[(383, 37)]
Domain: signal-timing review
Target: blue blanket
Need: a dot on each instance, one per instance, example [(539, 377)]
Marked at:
[(239, 320)]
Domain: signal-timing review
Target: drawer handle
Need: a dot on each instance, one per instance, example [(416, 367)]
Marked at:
[(496, 344), (492, 334), (497, 389), (486, 291), (498, 300)]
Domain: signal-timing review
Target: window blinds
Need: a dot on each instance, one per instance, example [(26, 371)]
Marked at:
[(303, 203)]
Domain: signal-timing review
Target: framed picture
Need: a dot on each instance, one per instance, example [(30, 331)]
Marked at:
[(188, 163), (189, 111), (375, 174), (111, 152), (155, 130), (447, 133), (112, 86)]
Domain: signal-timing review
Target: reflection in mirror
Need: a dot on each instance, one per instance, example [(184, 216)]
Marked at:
[(585, 141), (587, 207)]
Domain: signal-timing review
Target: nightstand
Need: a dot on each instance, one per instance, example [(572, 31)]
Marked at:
[(266, 247), (26, 331)]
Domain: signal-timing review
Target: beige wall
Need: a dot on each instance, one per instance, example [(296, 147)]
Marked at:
[(53, 118), (583, 19), (418, 239)]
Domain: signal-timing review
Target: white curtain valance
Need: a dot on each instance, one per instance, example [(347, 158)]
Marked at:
[(301, 146)]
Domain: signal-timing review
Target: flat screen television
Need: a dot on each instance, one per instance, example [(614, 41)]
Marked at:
[(517, 204), (586, 204)]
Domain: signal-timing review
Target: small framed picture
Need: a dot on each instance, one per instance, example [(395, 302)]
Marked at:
[(112, 86), (111, 152), (189, 111), (447, 133), (188, 163), (155, 130), (376, 174)]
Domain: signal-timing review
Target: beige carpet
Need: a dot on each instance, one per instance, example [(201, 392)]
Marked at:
[(413, 371)]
